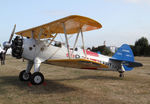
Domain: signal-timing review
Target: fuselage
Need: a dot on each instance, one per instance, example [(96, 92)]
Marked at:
[(41, 50)]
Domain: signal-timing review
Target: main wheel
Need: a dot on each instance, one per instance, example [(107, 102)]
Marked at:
[(23, 76), (37, 78)]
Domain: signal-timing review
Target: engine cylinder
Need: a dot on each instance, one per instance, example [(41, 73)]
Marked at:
[(16, 46)]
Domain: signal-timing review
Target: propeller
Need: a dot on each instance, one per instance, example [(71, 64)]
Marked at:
[(7, 45)]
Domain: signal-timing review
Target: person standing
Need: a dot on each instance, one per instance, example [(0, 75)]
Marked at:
[(2, 57)]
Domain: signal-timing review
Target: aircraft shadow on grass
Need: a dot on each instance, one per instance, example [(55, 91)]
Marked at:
[(52, 86), (91, 77)]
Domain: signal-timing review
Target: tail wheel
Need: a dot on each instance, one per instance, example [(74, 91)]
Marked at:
[(23, 76), (121, 75), (37, 78)]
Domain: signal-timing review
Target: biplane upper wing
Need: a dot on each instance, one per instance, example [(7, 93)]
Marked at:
[(72, 25), (77, 63)]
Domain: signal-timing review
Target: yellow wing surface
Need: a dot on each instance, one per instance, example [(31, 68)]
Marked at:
[(72, 25), (77, 63)]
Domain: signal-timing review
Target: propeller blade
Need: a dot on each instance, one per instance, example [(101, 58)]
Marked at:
[(6, 48), (12, 34)]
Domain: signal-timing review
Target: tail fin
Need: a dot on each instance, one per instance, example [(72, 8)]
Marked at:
[(124, 53)]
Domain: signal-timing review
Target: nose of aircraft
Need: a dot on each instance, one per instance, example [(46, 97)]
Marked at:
[(16, 46)]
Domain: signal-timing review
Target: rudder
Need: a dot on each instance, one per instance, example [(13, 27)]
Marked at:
[(124, 53)]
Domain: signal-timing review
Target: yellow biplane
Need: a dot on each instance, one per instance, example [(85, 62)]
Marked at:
[(38, 45)]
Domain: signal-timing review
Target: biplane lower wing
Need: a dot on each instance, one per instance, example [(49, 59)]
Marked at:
[(77, 63)]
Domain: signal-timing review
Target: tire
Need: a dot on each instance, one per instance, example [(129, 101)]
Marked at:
[(121, 75), (37, 78), (23, 76)]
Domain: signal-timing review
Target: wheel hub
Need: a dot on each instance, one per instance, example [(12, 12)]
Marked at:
[(37, 79), (26, 76)]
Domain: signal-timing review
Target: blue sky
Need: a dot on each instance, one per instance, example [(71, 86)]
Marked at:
[(124, 21)]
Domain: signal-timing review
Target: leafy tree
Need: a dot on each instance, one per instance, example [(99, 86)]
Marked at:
[(141, 47), (143, 42)]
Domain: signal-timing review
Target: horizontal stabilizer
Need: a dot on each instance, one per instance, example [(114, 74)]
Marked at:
[(133, 64)]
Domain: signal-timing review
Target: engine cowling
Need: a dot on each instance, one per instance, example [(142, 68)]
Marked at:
[(16, 47)]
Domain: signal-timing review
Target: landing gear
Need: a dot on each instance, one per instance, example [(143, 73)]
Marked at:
[(121, 75), (37, 78), (23, 76)]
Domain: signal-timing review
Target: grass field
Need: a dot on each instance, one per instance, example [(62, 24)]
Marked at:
[(75, 86)]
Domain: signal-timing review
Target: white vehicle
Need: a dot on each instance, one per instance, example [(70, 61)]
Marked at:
[(37, 48)]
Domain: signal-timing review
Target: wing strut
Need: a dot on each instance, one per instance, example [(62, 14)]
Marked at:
[(66, 39), (52, 40), (32, 34), (83, 44), (76, 41), (41, 31)]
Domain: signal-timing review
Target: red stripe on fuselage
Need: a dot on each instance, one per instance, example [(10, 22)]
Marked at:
[(91, 53)]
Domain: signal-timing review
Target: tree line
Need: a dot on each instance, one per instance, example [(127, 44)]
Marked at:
[(140, 48), (101, 49)]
